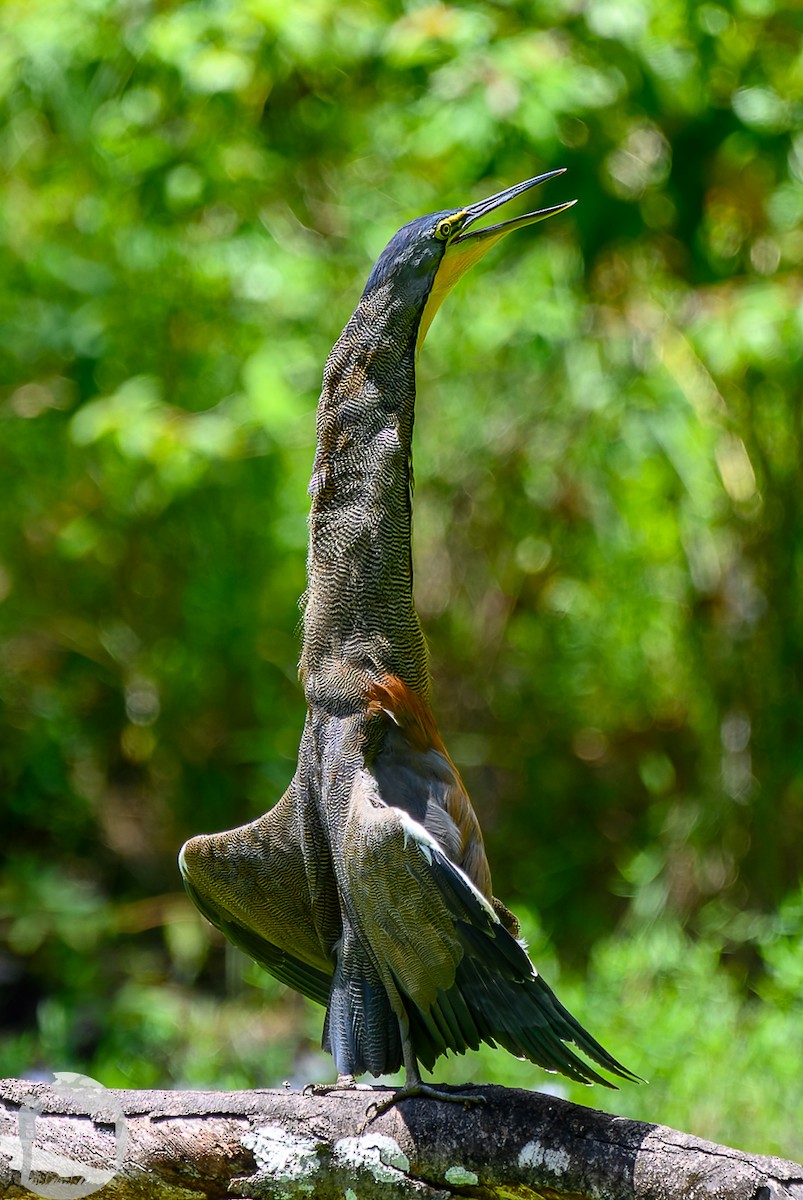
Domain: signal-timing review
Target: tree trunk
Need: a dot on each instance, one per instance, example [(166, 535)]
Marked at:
[(67, 1141)]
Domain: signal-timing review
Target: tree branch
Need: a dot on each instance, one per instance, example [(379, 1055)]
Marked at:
[(186, 1145)]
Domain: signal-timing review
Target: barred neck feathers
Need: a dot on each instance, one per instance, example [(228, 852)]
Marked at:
[(359, 618)]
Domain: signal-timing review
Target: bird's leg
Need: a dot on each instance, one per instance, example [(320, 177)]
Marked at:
[(414, 1086)]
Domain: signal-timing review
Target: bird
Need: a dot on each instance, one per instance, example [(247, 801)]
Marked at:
[(367, 886)]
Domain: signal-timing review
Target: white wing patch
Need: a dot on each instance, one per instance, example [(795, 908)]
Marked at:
[(414, 832)]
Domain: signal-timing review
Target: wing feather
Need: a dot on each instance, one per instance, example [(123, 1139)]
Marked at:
[(252, 884), (435, 937)]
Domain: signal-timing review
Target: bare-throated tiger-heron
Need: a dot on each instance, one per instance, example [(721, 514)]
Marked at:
[(367, 887)]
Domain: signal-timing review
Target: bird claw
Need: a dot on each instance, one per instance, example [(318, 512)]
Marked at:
[(343, 1083), (425, 1090)]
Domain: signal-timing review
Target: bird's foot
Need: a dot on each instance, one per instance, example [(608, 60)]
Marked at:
[(417, 1089), (343, 1083)]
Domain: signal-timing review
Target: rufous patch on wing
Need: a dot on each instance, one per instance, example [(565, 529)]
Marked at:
[(408, 710)]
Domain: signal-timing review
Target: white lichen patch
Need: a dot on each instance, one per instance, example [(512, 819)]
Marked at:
[(459, 1175), (282, 1156), (536, 1155), (374, 1152)]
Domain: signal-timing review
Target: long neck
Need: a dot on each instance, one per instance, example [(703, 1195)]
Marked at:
[(359, 618)]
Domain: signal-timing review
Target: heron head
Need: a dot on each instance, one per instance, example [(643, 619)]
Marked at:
[(427, 257)]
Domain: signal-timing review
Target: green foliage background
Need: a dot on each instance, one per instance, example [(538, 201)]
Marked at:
[(608, 511)]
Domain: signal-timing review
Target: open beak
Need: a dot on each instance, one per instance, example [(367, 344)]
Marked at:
[(470, 245), (481, 209)]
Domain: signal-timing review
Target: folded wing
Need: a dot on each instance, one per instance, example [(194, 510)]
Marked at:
[(444, 950)]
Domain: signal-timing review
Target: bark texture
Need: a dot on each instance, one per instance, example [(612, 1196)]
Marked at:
[(64, 1143)]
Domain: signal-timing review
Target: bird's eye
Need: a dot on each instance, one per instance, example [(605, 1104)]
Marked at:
[(443, 230)]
